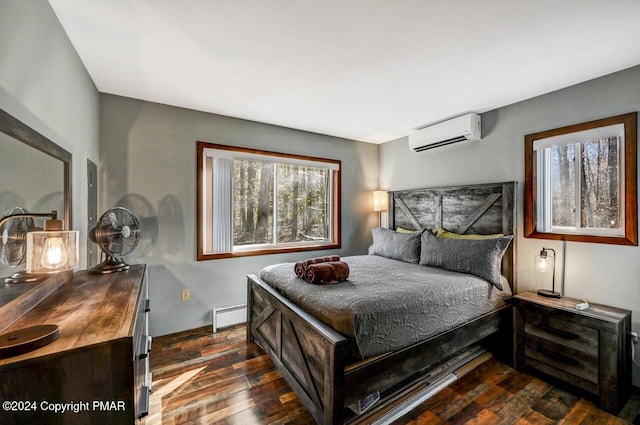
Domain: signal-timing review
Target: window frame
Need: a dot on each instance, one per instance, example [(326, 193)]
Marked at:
[(263, 249), (628, 189)]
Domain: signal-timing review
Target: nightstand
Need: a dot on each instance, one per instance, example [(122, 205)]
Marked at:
[(588, 349)]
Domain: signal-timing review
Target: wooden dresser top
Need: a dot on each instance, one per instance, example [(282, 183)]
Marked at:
[(88, 309)]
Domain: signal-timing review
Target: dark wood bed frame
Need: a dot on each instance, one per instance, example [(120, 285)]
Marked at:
[(314, 358)]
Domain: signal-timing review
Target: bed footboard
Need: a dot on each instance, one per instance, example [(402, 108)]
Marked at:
[(314, 358), (309, 354)]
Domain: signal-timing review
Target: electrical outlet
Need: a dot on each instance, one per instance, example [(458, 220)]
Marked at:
[(186, 295)]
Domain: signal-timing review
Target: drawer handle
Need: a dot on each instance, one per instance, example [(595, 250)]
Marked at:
[(559, 332), (147, 347), (143, 402), (147, 305), (559, 357)]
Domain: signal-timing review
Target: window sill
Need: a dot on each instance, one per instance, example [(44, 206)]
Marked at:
[(611, 240), (264, 251)]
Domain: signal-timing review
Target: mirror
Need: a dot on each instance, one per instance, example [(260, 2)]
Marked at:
[(580, 182), (34, 174)]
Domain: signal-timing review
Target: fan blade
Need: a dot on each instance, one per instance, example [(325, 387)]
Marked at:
[(113, 219), (115, 246)]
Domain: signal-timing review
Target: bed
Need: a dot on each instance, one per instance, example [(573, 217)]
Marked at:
[(326, 368)]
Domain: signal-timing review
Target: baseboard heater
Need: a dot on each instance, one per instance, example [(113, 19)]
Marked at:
[(223, 317)]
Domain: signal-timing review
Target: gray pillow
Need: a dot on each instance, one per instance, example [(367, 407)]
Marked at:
[(398, 246), (480, 257)]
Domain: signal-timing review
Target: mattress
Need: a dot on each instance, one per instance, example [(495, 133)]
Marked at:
[(386, 304)]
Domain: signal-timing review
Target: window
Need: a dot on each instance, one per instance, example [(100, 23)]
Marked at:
[(253, 202), (580, 182)]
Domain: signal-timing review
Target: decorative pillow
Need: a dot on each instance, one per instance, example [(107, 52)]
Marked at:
[(442, 233), (480, 257), (399, 246)]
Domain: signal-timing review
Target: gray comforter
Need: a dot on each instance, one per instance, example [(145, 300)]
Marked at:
[(388, 304)]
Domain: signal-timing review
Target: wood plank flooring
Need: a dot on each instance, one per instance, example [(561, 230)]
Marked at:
[(205, 378)]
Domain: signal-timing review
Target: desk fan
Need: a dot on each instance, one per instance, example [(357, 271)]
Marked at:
[(13, 238), (13, 244), (117, 233)]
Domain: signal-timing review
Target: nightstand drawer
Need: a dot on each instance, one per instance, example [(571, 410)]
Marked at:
[(560, 373), (564, 359), (561, 332)]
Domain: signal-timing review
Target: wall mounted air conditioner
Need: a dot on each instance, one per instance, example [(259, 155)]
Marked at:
[(466, 128)]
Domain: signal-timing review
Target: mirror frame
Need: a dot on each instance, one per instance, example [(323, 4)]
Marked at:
[(630, 202), (20, 131)]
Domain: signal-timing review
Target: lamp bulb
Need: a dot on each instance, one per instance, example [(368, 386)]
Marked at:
[(542, 264), (54, 254)]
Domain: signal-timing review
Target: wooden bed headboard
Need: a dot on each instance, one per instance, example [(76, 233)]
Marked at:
[(480, 209)]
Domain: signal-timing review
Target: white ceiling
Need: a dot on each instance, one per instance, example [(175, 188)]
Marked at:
[(369, 70)]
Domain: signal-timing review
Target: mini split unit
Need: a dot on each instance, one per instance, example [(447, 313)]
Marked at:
[(466, 128)]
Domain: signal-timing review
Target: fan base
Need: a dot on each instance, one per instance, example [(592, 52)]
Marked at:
[(110, 265), (23, 277)]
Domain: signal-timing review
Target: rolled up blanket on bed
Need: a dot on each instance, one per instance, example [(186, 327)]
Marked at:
[(301, 266), (330, 272)]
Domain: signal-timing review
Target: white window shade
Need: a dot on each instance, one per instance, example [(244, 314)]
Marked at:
[(222, 174)]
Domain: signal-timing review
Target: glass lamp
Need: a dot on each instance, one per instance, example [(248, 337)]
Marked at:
[(52, 250), (543, 263)]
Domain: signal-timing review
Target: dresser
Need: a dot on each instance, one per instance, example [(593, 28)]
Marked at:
[(588, 349), (97, 371)]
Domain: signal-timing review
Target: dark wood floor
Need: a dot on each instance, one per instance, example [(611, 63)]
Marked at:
[(205, 378)]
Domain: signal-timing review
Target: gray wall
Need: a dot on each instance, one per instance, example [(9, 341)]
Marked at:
[(599, 273), (44, 84), (148, 163)]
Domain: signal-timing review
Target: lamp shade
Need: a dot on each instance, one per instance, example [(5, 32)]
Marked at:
[(52, 251), (380, 200)]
